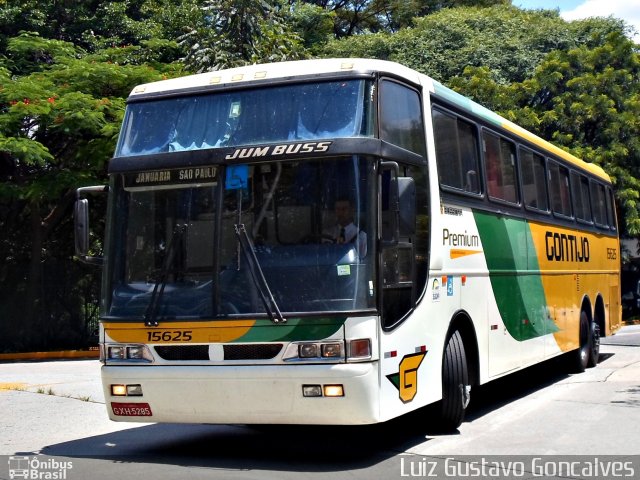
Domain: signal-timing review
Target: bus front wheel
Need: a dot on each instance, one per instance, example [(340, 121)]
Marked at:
[(455, 383)]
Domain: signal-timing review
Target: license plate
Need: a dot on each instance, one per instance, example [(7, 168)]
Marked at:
[(131, 409)]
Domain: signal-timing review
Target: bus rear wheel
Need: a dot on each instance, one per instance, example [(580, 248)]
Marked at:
[(582, 355), (594, 352), (455, 383)]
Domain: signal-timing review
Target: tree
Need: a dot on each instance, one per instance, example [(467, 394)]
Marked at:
[(61, 114), (510, 42), (586, 100), (352, 17), (314, 25), (232, 33), (94, 25)]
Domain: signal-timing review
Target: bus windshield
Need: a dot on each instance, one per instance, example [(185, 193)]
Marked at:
[(197, 250), (329, 109)]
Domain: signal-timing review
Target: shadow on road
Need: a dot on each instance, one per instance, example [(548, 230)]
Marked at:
[(274, 448), (496, 394)]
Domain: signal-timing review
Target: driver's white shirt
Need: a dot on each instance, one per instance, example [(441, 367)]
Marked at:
[(350, 233)]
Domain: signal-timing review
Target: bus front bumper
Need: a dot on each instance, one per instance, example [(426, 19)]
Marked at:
[(257, 394)]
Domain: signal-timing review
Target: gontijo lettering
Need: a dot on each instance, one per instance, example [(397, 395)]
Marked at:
[(562, 247)]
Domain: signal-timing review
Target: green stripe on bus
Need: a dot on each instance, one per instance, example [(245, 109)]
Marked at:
[(515, 279), (296, 329)]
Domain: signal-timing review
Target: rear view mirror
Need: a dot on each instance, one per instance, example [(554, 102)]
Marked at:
[(81, 224)]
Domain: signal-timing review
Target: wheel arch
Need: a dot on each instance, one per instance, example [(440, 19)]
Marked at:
[(586, 307), (599, 315)]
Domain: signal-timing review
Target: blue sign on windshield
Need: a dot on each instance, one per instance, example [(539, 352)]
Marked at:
[(237, 177)]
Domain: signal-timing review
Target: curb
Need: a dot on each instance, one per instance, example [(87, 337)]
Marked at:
[(60, 355)]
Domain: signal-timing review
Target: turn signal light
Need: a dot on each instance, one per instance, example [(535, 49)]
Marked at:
[(360, 348)]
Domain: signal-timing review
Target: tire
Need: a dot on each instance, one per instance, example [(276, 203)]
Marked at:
[(455, 383), (582, 354), (594, 352)]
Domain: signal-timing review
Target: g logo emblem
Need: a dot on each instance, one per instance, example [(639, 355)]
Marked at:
[(406, 380)]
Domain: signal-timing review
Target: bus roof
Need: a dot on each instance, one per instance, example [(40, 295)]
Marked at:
[(274, 71), (284, 70)]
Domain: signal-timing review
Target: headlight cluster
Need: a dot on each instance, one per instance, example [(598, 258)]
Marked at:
[(355, 350), (125, 353), (320, 350)]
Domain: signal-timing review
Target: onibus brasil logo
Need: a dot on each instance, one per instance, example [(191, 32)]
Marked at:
[(38, 468)]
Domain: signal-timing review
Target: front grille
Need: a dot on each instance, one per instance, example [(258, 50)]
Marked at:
[(247, 351), (183, 352), (252, 351)]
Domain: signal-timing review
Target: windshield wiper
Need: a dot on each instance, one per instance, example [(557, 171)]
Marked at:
[(151, 314), (270, 305)]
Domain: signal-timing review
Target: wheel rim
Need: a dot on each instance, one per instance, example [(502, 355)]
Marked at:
[(595, 338)]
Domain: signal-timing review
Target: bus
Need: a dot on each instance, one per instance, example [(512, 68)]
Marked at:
[(468, 249)]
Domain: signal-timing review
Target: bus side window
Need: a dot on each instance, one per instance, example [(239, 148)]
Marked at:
[(499, 156), (611, 213), (580, 191), (401, 117), (456, 152), (599, 204), (534, 180), (559, 189)]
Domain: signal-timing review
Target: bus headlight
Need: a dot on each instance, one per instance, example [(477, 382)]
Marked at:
[(116, 352), (124, 352), (323, 351), (331, 350), (308, 350)]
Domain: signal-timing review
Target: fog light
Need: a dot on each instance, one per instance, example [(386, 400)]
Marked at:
[(333, 391), (331, 350), (308, 350), (311, 391), (116, 353), (118, 390), (134, 390)]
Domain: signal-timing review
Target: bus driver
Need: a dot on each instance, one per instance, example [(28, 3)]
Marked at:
[(345, 231)]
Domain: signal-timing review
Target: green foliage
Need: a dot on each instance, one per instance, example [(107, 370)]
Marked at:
[(355, 17), (61, 113), (314, 24), (586, 100), (509, 42), (232, 33)]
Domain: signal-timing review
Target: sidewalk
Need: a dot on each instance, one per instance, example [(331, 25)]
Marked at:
[(59, 355)]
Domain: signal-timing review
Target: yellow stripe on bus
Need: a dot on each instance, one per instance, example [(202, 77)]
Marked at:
[(178, 332)]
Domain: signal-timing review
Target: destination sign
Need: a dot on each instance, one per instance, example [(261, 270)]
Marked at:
[(161, 178)]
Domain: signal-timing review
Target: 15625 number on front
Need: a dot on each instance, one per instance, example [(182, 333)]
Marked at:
[(170, 336)]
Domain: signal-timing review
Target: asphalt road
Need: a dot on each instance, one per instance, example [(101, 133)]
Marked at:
[(54, 412)]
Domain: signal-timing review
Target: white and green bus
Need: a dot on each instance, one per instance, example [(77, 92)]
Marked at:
[(339, 241)]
